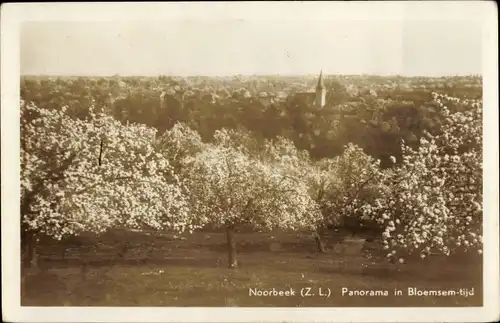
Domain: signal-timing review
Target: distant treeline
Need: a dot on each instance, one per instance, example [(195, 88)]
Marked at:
[(376, 113)]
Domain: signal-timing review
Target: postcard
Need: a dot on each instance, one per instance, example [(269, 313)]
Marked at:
[(250, 162)]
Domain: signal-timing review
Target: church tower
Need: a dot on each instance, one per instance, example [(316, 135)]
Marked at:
[(320, 92)]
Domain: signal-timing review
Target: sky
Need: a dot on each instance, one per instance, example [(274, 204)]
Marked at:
[(428, 47)]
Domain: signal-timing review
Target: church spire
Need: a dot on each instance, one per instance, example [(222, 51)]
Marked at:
[(320, 92), (320, 85)]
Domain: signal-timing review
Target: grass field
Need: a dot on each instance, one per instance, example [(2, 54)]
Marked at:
[(163, 270)]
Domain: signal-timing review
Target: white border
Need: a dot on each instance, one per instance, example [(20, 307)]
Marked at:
[(13, 14)]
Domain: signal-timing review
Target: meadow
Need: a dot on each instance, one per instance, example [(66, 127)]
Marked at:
[(173, 270)]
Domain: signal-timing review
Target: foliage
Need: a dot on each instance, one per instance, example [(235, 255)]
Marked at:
[(386, 149), (353, 114), (434, 204), (179, 143), (89, 175), (340, 184), (232, 188)]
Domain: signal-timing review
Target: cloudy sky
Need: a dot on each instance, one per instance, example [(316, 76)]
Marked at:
[(252, 46)]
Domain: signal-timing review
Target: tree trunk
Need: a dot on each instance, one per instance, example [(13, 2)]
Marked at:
[(231, 247), (319, 244), (29, 257), (30, 254)]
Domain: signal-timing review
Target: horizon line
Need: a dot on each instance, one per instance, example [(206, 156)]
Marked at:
[(251, 75)]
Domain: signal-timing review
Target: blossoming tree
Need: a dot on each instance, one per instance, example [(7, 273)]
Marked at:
[(434, 204), (179, 143), (231, 189), (356, 178), (338, 185), (315, 175), (90, 175)]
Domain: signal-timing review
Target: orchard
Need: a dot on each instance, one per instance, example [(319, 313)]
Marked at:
[(89, 172)]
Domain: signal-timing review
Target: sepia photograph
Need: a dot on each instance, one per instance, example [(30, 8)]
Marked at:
[(281, 161)]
